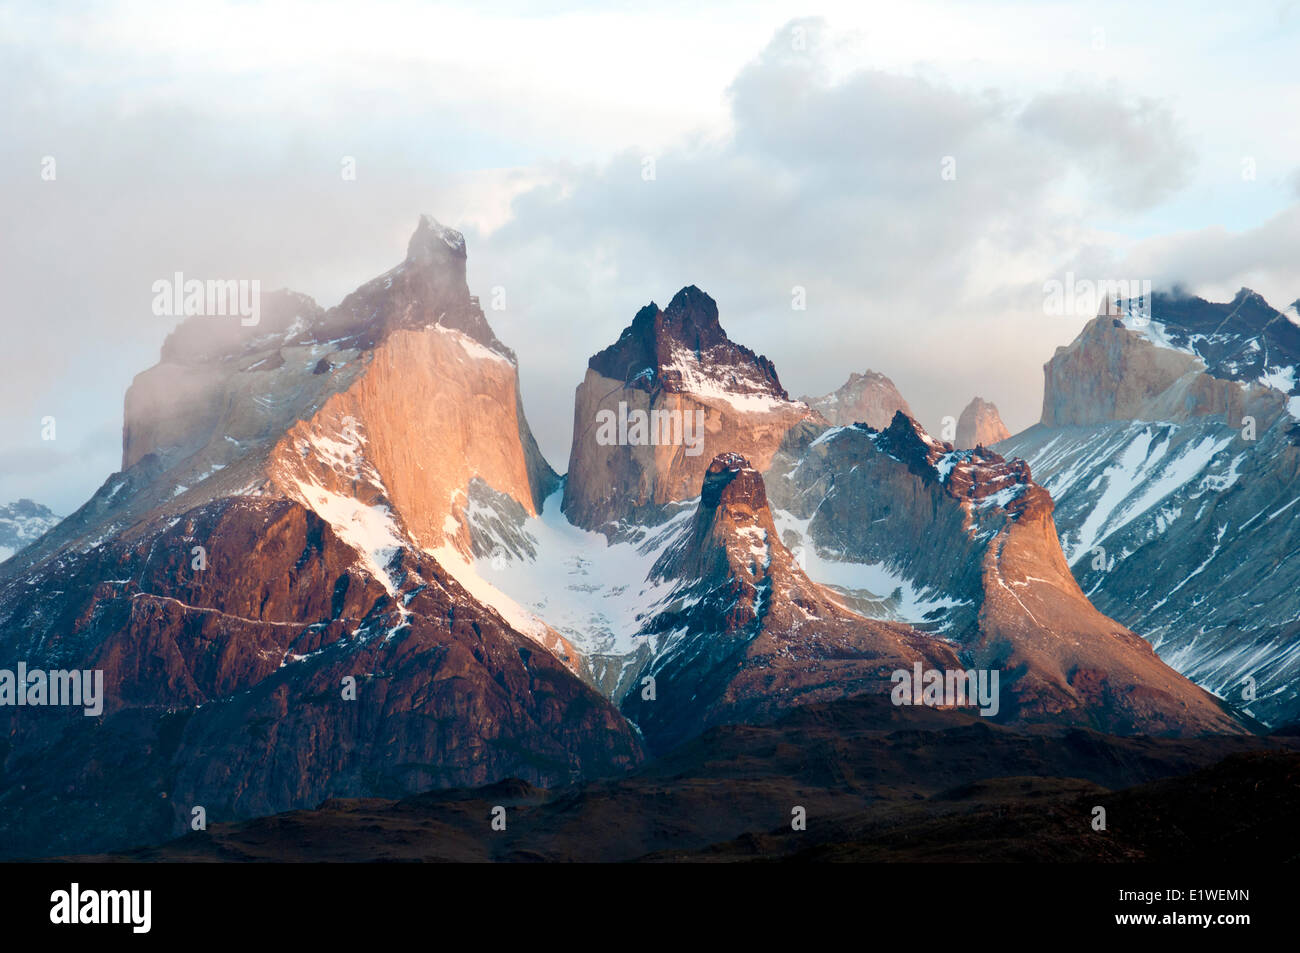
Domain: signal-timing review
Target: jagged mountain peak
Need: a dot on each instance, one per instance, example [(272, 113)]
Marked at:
[(431, 240), (291, 512), (21, 522), (745, 633), (275, 410), (867, 375), (906, 440), (683, 348), (428, 287), (678, 388), (963, 541), (1230, 337), (1177, 357), (980, 425), (1247, 312), (730, 478), (732, 525), (977, 476), (693, 314), (691, 318), (869, 397)]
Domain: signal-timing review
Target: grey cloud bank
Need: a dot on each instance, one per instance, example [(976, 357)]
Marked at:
[(827, 180)]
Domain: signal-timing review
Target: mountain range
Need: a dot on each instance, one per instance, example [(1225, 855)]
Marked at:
[(1170, 441), (335, 564), (22, 523)]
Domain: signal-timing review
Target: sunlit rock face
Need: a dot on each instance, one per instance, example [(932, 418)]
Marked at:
[(1169, 442), (697, 391)]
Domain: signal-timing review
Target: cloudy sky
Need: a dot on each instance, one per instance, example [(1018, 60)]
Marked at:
[(920, 169)]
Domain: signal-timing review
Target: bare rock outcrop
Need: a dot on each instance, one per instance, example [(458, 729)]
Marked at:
[(748, 634), (277, 675), (869, 398), (1194, 358), (1170, 442), (970, 534), (271, 538), (403, 383), (980, 425), (657, 405)]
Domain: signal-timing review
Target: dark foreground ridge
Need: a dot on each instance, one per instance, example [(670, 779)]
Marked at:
[(878, 783)]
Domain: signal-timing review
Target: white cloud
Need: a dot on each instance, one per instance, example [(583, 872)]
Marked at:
[(207, 138), (833, 181)]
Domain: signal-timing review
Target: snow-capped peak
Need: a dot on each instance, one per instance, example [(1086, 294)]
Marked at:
[(21, 523), (449, 236)]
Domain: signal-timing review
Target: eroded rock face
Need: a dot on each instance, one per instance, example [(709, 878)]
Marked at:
[(971, 536), (406, 364), (1171, 447), (311, 464), (980, 425), (1188, 358), (432, 412), (748, 634), (1074, 664), (328, 469), (225, 685), (699, 393), (869, 398), (400, 396)]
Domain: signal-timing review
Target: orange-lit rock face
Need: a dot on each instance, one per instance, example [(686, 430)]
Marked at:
[(980, 425), (263, 544), (671, 365), (395, 400), (1110, 372), (1075, 663), (432, 410), (610, 481)]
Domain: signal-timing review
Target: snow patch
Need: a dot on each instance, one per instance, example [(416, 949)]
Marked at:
[(370, 530), (907, 601), (746, 395), (595, 594), (471, 347)]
